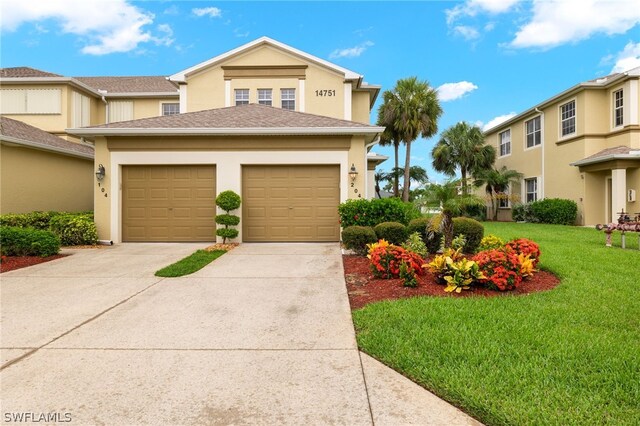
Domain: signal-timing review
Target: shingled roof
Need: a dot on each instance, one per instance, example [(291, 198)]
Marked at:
[(25, 72), (21, 133), (134, 84), (614, 153)]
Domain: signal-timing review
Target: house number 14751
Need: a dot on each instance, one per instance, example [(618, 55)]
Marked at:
[(325, 92)]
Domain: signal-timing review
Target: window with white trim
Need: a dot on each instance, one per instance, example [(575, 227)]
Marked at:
[(171, 108), (504, 199), (568, 118), (30, 101), (533, 132), (618, 101), (242, 96), (288, 98), (265, 97), (531, 190), (504, 140)]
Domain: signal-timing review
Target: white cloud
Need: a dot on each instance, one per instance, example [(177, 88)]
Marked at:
[(167, 39), (469, 33), (498, 120), (104, 27), (211, 12), (452, 91), (172, 10), (351, 52), (627, 59), (472, 7), (489, 26), (565, 21)]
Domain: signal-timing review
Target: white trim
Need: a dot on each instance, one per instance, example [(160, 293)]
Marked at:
[(184, 74), (510, 143), (104, 131), (524, 127), (228, 170), (44, 147), (347, 100), (633, 155), (183, 98), (575, 118), (613, 108), (50, 80), (227, 93), (161, 105), (301, 96), (633, 102), (141, 94)]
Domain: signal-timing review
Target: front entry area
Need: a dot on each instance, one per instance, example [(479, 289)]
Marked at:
[(290, 203), (168, 203)]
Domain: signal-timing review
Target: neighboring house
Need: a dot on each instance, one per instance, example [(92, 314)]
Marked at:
[(582, 144), (286, 130), (39, 171)]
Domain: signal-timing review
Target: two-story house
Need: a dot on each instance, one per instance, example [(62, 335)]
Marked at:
[(286, 130), (582, 144)]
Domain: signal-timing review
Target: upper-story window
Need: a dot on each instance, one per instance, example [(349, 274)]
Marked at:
[(618, 102), (288, 98), (81, 110), (30, 101), (505, 142), (534, 132), (265, 97), (531, 189), (170, 108), (568, 118), (120, 111), (242, 96)]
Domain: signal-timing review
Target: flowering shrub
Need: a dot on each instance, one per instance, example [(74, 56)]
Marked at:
[(462, 274), (501, 267), (491, 242), (526, 247), (415, 244), (386, 260)]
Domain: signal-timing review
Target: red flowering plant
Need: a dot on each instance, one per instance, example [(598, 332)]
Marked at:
[(501, 268), (526, 247), (387, 259)]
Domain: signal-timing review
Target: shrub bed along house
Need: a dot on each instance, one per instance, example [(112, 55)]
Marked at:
[(555, 211), (16, 241), (72, 228), (364, 212), (394, 232), (357, 238)]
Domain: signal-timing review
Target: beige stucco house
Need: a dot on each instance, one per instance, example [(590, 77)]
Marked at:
[(582, 144), (286, 130)]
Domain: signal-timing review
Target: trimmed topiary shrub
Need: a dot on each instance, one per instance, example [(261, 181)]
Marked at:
[(420, 226), (393, 232), (363, 212), (74, 229), (356, 238), (28, 242), (555, 211), (472, 230), (227, 201)]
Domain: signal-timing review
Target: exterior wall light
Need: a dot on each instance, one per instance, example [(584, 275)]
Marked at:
[(100, 173), (353, 173)]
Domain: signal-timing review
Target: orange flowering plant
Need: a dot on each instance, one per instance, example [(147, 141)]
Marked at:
[(386, 260), (526, 247)]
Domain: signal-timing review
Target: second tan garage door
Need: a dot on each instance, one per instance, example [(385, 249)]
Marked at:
[(168, 203), (290, 203)]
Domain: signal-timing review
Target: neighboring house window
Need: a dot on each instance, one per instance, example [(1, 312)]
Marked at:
[(242, 96), (81, 110), (288, 98), (568, 118), (503, 200), (120, 111), (30, 101), (531, 188), (505, 142), (534, 132), (618, 119), (170, 109), (265, 97)]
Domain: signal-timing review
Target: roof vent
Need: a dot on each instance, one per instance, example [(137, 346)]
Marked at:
[(601, 80)]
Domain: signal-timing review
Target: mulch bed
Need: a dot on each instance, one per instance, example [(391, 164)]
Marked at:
[(364, 288), (10, 263)]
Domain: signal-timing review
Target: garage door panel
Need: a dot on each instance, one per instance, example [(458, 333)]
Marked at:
[(278, 212), (256, 212)]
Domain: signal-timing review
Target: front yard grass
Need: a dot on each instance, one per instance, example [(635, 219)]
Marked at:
[(570, 356), (190, 264)]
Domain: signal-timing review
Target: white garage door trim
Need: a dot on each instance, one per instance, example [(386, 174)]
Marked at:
[(228, 168)]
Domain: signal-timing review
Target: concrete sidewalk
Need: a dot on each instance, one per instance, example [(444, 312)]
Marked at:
[(263, 335)]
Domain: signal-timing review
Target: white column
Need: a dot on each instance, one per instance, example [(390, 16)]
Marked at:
[(347, 101), (618, 192), (183, 98), (371, 184), (301, 95), (227, 93)]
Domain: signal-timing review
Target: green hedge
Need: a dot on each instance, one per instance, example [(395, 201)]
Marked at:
[(372, 212), (394, 232), (556, 211), (472, 230), (74, 229), (28, 242), (356, 238)]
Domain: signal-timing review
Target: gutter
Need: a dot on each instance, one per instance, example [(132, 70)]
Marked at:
[(50, 80), (105, 131), (542, 142), (46, 147), (634, 155)]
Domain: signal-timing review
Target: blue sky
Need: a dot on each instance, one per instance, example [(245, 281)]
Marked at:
[(489, 58)]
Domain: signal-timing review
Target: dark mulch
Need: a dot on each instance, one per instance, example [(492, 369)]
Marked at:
[(10, 263), (364, 288)]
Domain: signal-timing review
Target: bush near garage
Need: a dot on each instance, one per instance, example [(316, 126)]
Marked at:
[(16, 241), (394, 232), (364, 212), (356, 238), (74, 229), (227, 201)]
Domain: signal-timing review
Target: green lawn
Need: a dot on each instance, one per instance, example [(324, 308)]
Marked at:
[(190, 264), (570, 356)]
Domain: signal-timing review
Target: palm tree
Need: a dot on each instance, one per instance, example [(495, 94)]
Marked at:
[(462, 147), (452, 203), (389, 136), (410, 110), (496, 183)]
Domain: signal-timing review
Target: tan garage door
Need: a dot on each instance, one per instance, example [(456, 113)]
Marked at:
[(290, 203), (168, 203)]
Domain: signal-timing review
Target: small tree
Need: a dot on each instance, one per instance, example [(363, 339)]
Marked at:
[(227, 201)]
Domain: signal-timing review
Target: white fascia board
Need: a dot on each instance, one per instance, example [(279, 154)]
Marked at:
[(44, 147), (141, 94), (182, 75), (227, 131), (50, 80), (606, 158)]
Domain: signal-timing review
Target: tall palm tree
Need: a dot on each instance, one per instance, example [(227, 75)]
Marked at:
[(462, 147), (390, 136), (452, 203), (410, 110), (496, 183)]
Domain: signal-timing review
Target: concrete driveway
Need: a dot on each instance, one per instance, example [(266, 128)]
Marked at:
[(263, 335)]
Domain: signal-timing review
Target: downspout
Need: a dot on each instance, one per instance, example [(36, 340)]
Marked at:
[(106, 107), (542, 142)]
